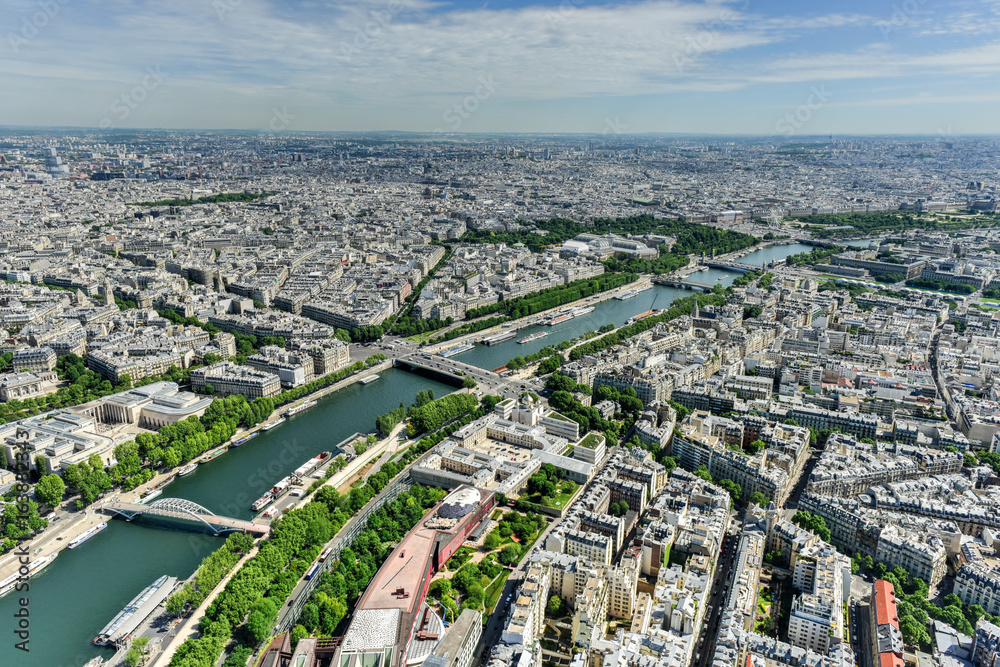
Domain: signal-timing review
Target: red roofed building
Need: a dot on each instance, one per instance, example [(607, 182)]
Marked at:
[(887, 640)]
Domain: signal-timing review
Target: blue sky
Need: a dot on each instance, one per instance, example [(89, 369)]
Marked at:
[(741, 66)]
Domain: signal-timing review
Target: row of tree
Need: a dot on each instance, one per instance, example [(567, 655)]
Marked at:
[(553, 297), (83, 385), (690, 237), (679, 308), (212, 570), (883, 222)]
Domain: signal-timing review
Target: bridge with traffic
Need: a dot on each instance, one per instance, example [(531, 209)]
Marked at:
[(680, 283)]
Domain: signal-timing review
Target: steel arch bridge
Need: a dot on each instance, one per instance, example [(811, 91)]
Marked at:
[(179, 508)]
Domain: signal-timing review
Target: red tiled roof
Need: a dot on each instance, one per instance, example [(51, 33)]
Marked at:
[(890, 660), (884, 599)]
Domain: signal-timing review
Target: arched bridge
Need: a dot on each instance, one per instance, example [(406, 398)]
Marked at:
[(185, 510), (731, 266)]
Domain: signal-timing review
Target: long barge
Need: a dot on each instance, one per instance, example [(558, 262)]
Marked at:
[(534, 336), (34, 567), (631, 294), (300, 407), (268, 427), (245, 439), (138, 610), (499, 338), (310, 466), (208, 457), (568, 314), (457, 350), (90, 532)]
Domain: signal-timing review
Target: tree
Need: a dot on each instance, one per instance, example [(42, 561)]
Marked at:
[(50, 490), (492, 541), (468, 382), (702, 472), (133, 657), (732, 488), (555, 606), (759, 499), (261, 619), (298, 632), (813, 523), (509, 555)]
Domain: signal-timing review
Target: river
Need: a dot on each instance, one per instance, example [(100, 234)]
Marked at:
[(610, 311), (72, 599)]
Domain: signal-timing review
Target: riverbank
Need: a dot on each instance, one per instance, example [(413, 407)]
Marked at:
[(72, 524), (531, 320), (188, 626), (381, 451)]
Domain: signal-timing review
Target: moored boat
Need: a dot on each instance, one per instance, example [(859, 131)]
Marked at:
[(34, 567), (90, 532), (273, 424), (300, 407), (534, 336)]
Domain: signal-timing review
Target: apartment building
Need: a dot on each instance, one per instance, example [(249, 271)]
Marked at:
[(226, 378)]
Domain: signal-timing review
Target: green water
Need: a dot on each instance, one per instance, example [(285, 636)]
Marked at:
[(610, 311), (72, 599)]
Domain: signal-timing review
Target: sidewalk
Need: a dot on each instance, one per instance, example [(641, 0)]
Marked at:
[(189, 626)]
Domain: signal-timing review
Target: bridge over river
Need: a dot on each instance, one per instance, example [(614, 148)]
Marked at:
[(178, 509)]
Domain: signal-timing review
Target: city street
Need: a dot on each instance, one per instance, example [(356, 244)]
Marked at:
[(717, 599)]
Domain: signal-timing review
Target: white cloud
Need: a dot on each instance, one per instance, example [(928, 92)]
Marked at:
[(232, 61)]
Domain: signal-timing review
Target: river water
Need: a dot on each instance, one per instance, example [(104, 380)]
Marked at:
[(74, 597)]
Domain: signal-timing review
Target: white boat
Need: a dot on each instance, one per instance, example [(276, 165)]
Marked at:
[(498, 338), (273, 424), (369, 379), (534, 336), (187, 470), (150, 495), (34, 567), (300, 407), (87, 535)]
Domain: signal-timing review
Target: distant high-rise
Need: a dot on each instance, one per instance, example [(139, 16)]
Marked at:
[(53, 163)]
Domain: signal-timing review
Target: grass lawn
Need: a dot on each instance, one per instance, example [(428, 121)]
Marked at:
[(426, 336), (987, 299), (558, 501), (493, 593)]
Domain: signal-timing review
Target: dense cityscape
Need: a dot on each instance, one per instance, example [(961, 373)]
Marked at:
[(391, 399)]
